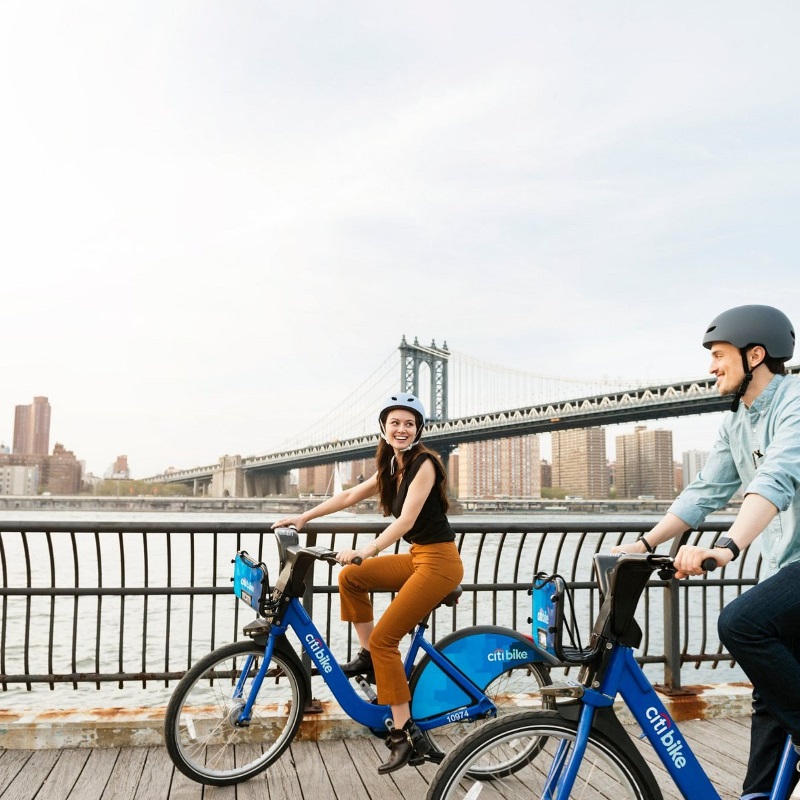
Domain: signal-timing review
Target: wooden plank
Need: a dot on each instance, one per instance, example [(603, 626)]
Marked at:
[(183, 788), (282, 779), (93, 780), (32, 776), (124, 779), (256, 788), (311, 771), (344, 774), (64, 775), (700, 735), (343, 769), (724, 772), (154, 782), (11, 763)]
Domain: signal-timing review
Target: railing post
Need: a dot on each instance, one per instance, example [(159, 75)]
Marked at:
[(672, 627), (672, 634), (308, 603)]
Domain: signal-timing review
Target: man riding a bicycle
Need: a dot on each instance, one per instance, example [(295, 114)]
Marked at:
[(758, 450)]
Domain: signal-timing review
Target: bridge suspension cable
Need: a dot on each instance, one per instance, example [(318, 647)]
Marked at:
[(475, 387), (354, 415), (478, 387)]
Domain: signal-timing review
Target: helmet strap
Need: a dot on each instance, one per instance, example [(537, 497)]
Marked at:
[(748, 376), (393, 462)]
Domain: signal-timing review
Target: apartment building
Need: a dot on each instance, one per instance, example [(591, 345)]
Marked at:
[(644, 464), (507, 467), (579, 462)]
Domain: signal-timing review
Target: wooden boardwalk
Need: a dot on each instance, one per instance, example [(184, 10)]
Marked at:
[(343, 769)]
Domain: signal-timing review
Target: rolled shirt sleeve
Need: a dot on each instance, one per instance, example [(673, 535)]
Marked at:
[(758, 448)]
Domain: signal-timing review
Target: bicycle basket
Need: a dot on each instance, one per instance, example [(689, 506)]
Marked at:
[(550, 596), (250, 581)]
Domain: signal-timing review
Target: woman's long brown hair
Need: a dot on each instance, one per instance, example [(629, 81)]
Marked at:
[(383, 461)]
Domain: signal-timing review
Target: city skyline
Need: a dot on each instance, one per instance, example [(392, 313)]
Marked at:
[(645, 464), (695, 432)]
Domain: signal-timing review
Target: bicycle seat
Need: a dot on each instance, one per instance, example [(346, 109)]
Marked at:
[(451, 598)]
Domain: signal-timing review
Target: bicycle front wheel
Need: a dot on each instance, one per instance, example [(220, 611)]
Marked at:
[(203, 736), (476, 767)]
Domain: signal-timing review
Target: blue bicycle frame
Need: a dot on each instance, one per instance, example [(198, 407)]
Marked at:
[(622, 675), (442, 694)]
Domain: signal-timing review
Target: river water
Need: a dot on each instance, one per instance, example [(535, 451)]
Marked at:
[(146, 634)]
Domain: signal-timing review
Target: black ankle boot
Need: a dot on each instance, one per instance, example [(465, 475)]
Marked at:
[(407, 745), (360, 665)]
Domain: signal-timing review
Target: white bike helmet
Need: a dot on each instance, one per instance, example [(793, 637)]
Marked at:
[(410, 403)]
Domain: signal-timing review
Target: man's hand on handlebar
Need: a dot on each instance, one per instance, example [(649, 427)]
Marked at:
[(690, 558)]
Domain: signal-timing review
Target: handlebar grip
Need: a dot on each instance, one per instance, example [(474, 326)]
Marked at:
[(709, 565), (357, 561)]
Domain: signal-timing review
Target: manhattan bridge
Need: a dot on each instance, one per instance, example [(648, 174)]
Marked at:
[(467, 400)]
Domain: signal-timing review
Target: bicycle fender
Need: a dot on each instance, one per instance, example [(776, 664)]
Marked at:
[(607, 724), (481, 652), (288, 652)]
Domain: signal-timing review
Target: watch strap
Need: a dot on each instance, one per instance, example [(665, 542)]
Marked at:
[(727, 542)]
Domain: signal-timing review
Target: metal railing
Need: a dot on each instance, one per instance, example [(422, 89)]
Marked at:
[(135, 603)]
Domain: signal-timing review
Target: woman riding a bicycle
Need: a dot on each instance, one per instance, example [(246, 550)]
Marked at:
[(411, 485)]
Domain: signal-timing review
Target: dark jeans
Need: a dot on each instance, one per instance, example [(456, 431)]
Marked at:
[(761, 630)]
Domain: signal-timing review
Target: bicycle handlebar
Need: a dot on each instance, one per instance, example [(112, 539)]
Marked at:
[(707, 565), (331, 556)]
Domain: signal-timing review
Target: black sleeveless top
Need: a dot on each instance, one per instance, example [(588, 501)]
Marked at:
[(431, 525)]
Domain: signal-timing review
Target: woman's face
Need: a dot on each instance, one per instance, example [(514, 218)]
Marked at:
[(401, 428)]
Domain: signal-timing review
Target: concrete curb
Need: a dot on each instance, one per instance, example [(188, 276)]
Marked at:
[(141, 727)]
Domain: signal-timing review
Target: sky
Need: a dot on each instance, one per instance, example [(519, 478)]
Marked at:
[(217, 219)]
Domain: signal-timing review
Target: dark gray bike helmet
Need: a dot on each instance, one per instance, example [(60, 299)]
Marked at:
[(744, 326), (407, 401)]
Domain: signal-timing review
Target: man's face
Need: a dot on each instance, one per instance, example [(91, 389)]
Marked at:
[(726, 364)]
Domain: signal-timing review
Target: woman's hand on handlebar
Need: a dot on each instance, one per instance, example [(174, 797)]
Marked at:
[(690, 558), (354, 556), (290, 522)]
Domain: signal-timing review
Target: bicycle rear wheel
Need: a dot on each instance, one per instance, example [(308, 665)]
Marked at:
[(200, 730), (477, 767), (516, 689)]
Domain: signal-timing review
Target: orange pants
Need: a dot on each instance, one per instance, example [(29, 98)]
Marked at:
[(421, 578)]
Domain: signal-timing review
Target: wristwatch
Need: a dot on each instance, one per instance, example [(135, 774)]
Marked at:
[(726, 541)]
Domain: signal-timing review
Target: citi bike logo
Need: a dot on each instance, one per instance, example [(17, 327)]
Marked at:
[(514, 654), (662, 725), (542, 616), (323, 659), (247, 585)]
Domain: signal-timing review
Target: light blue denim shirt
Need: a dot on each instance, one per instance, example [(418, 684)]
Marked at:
[(759, 449)]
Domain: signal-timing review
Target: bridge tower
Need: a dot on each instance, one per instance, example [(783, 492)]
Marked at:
[(411, 357)]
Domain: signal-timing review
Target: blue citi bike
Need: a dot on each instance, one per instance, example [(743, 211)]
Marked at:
[(238, 708), (579, 748)]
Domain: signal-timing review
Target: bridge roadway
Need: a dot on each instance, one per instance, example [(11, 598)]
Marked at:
[(326, 769), (633, 405)]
